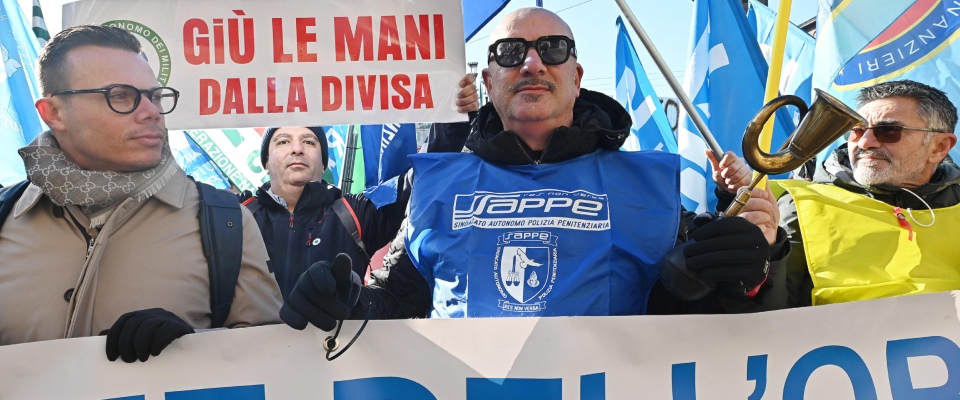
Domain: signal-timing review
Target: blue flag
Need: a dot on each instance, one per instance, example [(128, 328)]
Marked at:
[(195, 162), (860, 44), (476, 14), (796, 78), (337, 148), (650, 130), (726, 76), (19, 88), (385, 150)]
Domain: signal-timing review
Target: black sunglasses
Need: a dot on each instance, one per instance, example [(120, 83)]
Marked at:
[(510, 52), (123, 99), (884, 133)]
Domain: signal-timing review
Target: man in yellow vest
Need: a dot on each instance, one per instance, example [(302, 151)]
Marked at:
[(878, 218)]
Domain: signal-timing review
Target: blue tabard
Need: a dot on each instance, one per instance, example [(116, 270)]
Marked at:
[(581, 237)]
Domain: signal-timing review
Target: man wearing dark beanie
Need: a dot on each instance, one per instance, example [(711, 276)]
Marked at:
[(317, 131), (297, 210)]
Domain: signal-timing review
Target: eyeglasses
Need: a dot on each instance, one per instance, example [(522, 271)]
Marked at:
[(884, 133), (510, 52), (123, 99)]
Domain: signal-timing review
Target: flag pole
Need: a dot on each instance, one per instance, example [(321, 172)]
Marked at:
[(349, 158), (776, 66), (662, 65)]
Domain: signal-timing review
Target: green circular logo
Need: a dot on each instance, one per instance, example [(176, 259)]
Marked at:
[(153, 41)]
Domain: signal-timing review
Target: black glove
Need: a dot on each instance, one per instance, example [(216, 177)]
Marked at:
[(732, 253), (323, 295), (139, 334)]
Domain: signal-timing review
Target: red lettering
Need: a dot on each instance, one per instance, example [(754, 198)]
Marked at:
[(209, 96), (331, 93), (272, 106), (236, 55), (200, 46), (233, 97), (384, 98), (347, 40), (278, 55), (303, 38), (348, 81), (252, 106), (389, 39), (234, 92), (297, 97), (401, 101), (422, 98), (218, 48), (417, 38), (366, 85), (438, 37)]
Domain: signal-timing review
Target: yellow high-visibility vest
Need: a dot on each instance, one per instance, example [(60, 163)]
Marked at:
[(858, 248)]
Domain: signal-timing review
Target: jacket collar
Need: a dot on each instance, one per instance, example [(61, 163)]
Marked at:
[(598, 122), (316, 194)]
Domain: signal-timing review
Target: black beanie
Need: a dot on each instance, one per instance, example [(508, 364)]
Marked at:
[(317, 130)]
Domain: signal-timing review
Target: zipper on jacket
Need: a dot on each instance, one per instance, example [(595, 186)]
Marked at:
[(86, 236), (291, 221)]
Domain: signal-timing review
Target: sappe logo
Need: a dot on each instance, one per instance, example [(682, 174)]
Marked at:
[(924, 30), (546, 208), (159, 58)]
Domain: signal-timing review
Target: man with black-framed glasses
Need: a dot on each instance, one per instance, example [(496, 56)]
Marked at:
[(125, 99), (105, 236), (547, 217), (878, 218)]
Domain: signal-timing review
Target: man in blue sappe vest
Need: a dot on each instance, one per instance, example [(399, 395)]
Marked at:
[(547, 218)]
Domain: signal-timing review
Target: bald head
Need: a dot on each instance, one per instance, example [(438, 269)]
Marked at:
[(512, 21), (532, 96)]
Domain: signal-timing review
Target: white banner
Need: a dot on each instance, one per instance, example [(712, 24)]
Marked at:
[(249, 63), (904, 348)]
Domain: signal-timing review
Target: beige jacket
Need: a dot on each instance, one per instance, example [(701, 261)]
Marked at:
[(146, 255)]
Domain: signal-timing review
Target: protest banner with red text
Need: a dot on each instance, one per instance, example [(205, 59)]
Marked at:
[(247, 63)]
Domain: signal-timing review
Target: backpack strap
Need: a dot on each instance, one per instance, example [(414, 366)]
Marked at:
[(221, 232), (9, 196), (252, 204), (350, 221)]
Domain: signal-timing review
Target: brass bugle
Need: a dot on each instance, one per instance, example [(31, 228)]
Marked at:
[(826, 120)]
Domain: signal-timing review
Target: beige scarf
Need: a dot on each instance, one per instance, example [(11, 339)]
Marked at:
[(92, 191)]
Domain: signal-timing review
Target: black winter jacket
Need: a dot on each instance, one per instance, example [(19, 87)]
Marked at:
[(942, 191), (599, 122), (314, 232)]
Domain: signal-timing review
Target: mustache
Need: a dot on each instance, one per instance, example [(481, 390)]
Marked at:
[(297, 160), (533, 82), (875, 153)]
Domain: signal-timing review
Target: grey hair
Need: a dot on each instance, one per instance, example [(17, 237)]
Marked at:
[(936, 110)]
